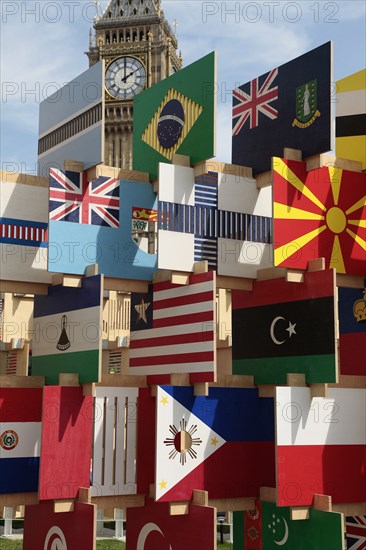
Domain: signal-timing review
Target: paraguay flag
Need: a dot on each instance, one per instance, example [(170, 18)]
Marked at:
[(20, 439), (222, 443)]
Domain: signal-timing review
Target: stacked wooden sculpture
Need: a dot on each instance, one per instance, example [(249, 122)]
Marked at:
[(198, 329)]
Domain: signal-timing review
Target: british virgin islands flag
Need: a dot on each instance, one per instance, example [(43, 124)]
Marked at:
[(222, 443), (20, 439)]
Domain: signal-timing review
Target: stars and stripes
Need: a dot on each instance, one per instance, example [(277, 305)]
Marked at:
[(176, 332), (205, 249), (356, 532), (23, 232), (75, 199), (11, 362), (258, 100)]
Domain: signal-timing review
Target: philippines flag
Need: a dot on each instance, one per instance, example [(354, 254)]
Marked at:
[(172, 329), (222, 443), (75, 199), (20, 438)]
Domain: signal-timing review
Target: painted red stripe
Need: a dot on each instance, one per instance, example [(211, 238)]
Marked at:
[(193, 280), (20, 404), (104, 186), (195, 377), (184, 300), (202, 317), (316, 285), (103, 213), (172, 359), (305, 470), (237, 469), (202, 336)]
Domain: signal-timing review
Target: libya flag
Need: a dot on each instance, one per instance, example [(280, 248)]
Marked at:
[(177, 115), (281, 327), (322, 531)]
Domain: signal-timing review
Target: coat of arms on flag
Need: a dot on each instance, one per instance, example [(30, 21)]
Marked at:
[(306, 103), (20, 439), (282, 108), (75, 199)]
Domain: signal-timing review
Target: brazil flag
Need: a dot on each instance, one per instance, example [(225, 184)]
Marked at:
[(177, 115)]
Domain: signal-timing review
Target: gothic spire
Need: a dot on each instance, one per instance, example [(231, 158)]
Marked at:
[(122, 9)]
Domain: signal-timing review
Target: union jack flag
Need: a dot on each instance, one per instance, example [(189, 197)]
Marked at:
[(258, 100), (75, 199), (356, 532)]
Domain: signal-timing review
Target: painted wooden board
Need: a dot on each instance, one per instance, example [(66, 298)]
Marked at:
[(319, 214), (228, 224), (355, 532), (269, 527), (67, 429), (20, 439), (282, 327), (240, 194), (46, 530), (176, 184), (175, 250), (222, 443), (320, 443), (290, 106), (352, 331), (173, 330), (23, 232), (152, 527), (189, 97), (98, 226), (69, 324), (114, 451), (146, 432), (351, 117)]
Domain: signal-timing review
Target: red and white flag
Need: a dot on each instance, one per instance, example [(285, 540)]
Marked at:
[(173, 329)]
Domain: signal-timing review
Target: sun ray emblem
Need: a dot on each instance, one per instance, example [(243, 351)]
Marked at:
[(319, 214), (182, 441)]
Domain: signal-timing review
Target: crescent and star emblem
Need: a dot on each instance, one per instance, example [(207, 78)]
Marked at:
[(285, 537), (145, 532), (290, 329)]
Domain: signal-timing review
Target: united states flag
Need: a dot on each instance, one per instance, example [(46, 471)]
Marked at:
[(356, 532), (75, 199), (249, 105), (172, 329)]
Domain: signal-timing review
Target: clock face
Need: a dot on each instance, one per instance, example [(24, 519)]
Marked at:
[(125, 77)]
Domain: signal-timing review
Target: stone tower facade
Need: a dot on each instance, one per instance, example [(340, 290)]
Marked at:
[(140, 49)]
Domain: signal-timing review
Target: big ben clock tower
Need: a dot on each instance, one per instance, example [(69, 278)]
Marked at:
[(139, 49)]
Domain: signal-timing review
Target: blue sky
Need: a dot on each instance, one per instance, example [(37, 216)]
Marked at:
[(43, 44)]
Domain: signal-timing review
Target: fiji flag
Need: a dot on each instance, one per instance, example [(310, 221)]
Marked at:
[(20, 439), (222, 443)]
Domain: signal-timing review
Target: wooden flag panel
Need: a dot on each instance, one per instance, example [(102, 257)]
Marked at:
[(114, 452), (319, 214), (66, 442), (69, 324), (320, 443), (152, 527), (283, 327), (221, 443), (46, 530), (20, 439), (269, 527)]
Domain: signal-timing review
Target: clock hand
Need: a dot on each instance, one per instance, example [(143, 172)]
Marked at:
[(128, 76)]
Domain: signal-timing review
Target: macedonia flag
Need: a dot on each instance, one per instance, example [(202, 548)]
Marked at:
[(316, 214)]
